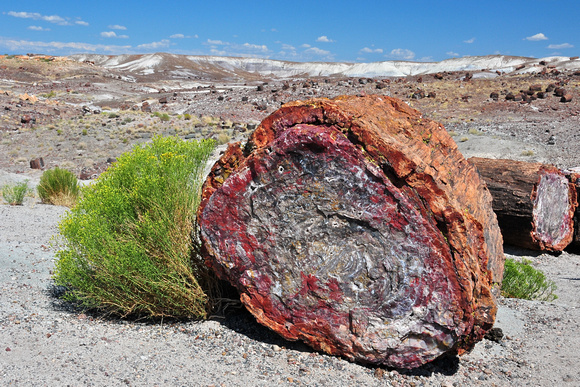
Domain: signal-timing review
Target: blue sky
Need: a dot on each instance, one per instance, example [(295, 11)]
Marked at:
[(295, 30)]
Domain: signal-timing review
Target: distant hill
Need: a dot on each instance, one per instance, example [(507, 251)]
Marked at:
[(171, 66)]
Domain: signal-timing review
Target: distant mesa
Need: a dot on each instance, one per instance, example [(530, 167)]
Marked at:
[(230, 68)]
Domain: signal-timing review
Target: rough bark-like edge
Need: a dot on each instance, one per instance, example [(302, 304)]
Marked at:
[(472, 233)]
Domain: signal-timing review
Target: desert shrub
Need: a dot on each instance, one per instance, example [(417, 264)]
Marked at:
[(521, 280), (14, 194), (59, 187), (223, 138), (130, 246)]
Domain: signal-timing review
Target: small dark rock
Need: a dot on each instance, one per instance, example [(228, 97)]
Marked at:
[(559, 92), (494, 334), (566, 98), (27, 119), (494, 95), (37, 163)]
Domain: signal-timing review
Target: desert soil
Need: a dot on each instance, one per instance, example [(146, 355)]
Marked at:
[(84, 117)]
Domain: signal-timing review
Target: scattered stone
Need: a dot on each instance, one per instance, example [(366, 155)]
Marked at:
[(37, 163), (559, 91), (27, 119), (566, 98), (494, 334), (494, 95)]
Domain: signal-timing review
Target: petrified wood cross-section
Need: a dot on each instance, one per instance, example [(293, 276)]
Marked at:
[(535, 203), (355, 225)]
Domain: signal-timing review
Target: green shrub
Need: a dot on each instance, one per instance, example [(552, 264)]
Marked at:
[(521, 280), (14, 194), (59, 187), (130, 246)]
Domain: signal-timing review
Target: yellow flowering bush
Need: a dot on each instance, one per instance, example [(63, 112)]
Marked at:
[(129, 246)]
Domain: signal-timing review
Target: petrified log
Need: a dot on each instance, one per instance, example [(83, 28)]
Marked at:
[(534, 202), (356, 225)]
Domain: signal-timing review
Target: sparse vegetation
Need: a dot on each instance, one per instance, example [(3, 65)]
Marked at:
[(140, 256), (528, 153), (59, 187), (522, 280), (475, 132), (223, 138), (14, 194)]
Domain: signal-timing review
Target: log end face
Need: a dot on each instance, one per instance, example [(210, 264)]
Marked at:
[(554, 204), (325, 248)]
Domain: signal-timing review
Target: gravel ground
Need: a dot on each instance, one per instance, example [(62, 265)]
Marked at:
[(45, 342)]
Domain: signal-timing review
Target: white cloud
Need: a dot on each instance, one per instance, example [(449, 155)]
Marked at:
[(560, 46), (288, 47), (451, 53), (117, 27), (163, 43), (217, 52), (216, 42), (372, 50), (182, 36), (402, 53), (235, 49), (305, 45), (255, 47), (324, 39), (69, 47), (469, 41), (112, 34), (536, 37), (317, 51), (48, 18), (38, 28)]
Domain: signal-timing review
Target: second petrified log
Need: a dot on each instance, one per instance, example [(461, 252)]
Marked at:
[(355, 225), (535, 203)]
